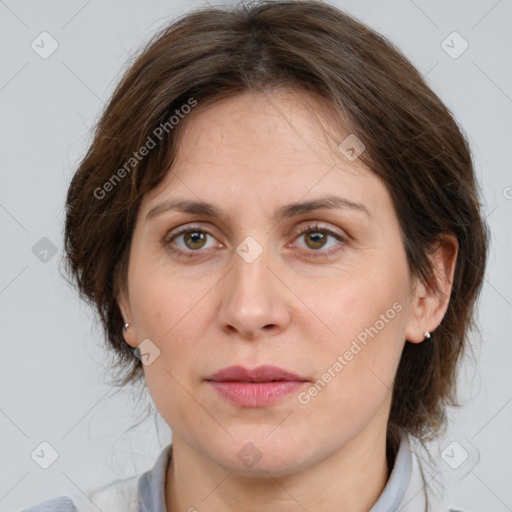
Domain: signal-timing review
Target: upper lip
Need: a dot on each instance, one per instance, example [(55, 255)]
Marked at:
[(265, 373)]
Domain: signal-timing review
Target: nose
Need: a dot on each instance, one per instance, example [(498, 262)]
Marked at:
[(254, 299)]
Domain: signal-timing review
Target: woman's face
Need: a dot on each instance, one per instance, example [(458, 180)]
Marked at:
[(322, 293)]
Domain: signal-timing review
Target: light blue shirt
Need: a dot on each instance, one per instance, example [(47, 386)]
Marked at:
[(151, 486)]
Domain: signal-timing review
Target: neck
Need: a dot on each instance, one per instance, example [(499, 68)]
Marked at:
[(351, 479)]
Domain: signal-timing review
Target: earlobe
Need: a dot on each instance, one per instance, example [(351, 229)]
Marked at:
[(429, 305), (129, 335), (128, 329)]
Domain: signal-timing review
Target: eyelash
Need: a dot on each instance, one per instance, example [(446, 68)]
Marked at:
[(310, 228)]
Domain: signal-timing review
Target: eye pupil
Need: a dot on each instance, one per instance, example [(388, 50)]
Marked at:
[(318, 238), (195, 237)]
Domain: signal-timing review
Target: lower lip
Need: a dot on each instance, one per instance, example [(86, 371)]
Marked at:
[(256, 394)]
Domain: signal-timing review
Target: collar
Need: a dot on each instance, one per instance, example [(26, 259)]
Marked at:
[(151, 486), (395, 496), (391, 496)]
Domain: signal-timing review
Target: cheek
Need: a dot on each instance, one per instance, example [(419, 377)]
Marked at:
[(161, 301), (359, 306), (366, 321), (169, 311)]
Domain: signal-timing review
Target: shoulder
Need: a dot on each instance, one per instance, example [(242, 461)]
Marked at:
[(120, 496), (59, 504)]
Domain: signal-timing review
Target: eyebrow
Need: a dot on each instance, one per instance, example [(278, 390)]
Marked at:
[(290, 210)]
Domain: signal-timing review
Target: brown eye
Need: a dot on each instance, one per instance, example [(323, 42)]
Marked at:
[(194, 239), (316, 240), (188, 240)]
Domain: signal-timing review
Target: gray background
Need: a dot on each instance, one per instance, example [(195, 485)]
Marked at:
[(53, 366)]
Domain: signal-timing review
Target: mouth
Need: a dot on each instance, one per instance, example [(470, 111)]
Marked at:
[(258, 387)]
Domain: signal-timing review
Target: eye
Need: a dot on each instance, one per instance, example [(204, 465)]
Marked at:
[(194, 239), (316, 238)]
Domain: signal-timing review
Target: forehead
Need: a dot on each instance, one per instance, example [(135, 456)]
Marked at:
[(281, 125), (267, 147)]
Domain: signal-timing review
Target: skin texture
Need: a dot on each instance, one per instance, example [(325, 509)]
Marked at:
[(293, 307)]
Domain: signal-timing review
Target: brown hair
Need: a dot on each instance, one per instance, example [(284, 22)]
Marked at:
[(412, 143)]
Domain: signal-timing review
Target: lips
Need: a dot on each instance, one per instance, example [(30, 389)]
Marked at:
[(259, 387), (265, 373)]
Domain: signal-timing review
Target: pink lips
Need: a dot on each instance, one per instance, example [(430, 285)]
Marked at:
[(258, 387)]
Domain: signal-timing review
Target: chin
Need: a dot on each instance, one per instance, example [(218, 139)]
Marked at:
[(257, 456)]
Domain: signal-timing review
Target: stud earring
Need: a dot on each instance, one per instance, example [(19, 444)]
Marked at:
[(426, 335), (125, 327)]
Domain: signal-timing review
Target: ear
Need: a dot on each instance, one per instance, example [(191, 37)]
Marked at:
[(428, 307), (130, 335)]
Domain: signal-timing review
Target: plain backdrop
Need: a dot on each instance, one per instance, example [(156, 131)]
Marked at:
[(53, 367)]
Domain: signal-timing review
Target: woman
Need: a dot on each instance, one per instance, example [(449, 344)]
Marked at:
[(280, 220)]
